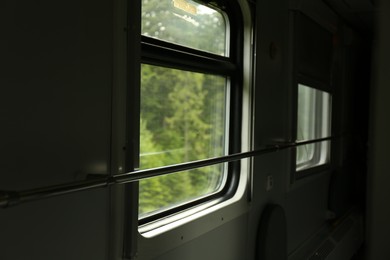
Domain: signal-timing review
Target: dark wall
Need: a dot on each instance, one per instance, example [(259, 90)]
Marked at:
[(56, 77), (378, 213)]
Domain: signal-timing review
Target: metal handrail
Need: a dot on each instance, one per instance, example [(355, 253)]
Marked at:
[(12, 198)]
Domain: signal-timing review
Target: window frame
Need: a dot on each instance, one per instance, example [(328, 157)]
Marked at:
[(312, 62), (170, 55)]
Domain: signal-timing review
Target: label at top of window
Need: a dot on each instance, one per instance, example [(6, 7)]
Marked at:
[(185, 6)]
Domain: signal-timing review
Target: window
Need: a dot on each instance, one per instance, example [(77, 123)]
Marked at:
[(313, 64), (313, 122), (189, 76)]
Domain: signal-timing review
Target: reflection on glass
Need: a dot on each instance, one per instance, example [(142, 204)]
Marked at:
[(186, 23), (183, 118), (313, 123)]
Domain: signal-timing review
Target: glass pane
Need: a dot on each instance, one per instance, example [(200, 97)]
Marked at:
[(306, 122), (305, 153), (313, 123), (186, 23), (306, 113), (183, 118), (164, 192)]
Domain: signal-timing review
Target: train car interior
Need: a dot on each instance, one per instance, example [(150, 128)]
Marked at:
[(195, 129)]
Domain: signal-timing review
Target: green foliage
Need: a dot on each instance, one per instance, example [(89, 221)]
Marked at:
[(156, 193), (182, 119)]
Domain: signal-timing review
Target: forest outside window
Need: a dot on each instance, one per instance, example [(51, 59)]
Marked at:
[(313, 122), (184, 102), (183, 118)]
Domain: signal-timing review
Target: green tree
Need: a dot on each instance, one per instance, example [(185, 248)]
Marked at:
[(159, 192), (187, 128)]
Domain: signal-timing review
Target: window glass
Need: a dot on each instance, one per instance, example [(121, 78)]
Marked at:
[(186, 23), (183, 118), (165, 192), (313, 123)]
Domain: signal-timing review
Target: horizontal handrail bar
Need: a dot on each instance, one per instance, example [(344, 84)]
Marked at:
[(12, 198)]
